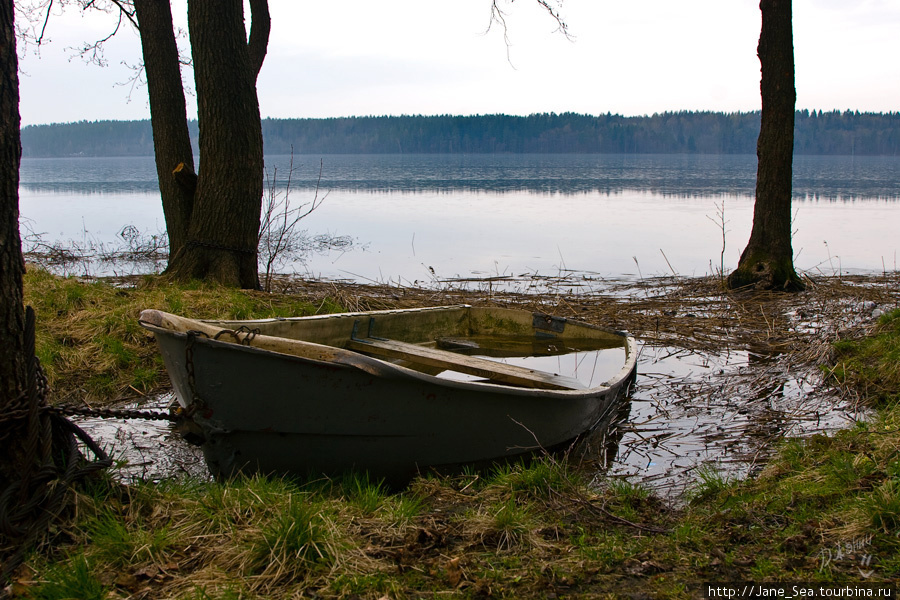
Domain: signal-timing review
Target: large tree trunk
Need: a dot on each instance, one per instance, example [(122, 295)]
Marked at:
[(168, 115), (767, 261), (13, 360), (222, 237)]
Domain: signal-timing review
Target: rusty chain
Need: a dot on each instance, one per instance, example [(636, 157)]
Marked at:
[(117, 413)]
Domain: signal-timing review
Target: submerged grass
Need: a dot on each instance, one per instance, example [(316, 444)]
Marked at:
[(823, 509)]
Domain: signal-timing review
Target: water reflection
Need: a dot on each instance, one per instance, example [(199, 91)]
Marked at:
[(815, 177), (726, 410)]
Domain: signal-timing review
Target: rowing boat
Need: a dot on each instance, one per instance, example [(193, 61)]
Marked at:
[(392, 393)]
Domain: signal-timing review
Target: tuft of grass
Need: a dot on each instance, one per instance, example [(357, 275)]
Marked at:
[(294, 540), (72, 579), (510, 525), (627, 492), (539, 478), (363, 493), (119, 541), (710, 483), (882, 506), (403, 508)]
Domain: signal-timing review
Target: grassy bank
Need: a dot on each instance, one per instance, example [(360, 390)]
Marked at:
[(824, 509)]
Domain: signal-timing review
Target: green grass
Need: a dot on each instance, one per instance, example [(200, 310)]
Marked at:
[(872, 365), (538, 478), (259, 537), (295, 538), (120, 543), (71, 579)]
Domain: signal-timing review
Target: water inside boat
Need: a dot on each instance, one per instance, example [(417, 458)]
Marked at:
[(592, 362)]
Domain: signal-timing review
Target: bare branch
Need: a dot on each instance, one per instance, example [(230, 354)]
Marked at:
[(129, 14), (95, 49), (498, 16), (31, 22), (561, 25), (40, 38)]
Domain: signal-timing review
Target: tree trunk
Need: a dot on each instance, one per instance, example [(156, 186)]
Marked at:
[(13, 363), (222, 237), (767, 261), (168, 115)]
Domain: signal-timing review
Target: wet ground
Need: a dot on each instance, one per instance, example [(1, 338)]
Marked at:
[(144, 449)]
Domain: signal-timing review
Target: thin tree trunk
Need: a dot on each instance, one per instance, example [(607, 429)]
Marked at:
[(222, 238), (168, 115), (260, 26), (767, 261)]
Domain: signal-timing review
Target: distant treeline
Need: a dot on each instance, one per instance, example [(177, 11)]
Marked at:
[(816, 132)]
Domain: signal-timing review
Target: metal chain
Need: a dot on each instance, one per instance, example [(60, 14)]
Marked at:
[(116, 413), (174, 414), (245, 341), (197, 402)]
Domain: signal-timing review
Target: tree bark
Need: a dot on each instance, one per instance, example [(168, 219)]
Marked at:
[(168, 115), (767, 261), (222, 237), (12, 266), (13, 360)]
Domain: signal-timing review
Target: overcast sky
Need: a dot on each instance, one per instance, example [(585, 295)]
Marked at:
[(363, 57)]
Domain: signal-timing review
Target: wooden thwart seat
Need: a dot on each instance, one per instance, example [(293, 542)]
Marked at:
[(471, 365)]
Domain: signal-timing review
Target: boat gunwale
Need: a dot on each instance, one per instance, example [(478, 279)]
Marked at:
[(385, 368)]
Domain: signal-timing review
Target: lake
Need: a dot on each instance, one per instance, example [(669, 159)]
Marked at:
[(419, 219)]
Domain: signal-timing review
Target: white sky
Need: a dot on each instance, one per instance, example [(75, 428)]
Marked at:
[(362, 57)]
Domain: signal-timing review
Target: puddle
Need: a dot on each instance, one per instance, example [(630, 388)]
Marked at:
[(144, 450), (727, 411)]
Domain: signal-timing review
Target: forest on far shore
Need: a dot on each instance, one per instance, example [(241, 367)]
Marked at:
[(686, 132)]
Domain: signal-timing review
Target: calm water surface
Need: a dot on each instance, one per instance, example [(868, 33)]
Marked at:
[(419, 218)]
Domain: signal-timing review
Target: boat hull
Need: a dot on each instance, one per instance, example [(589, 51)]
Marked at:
[(259, 411)]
